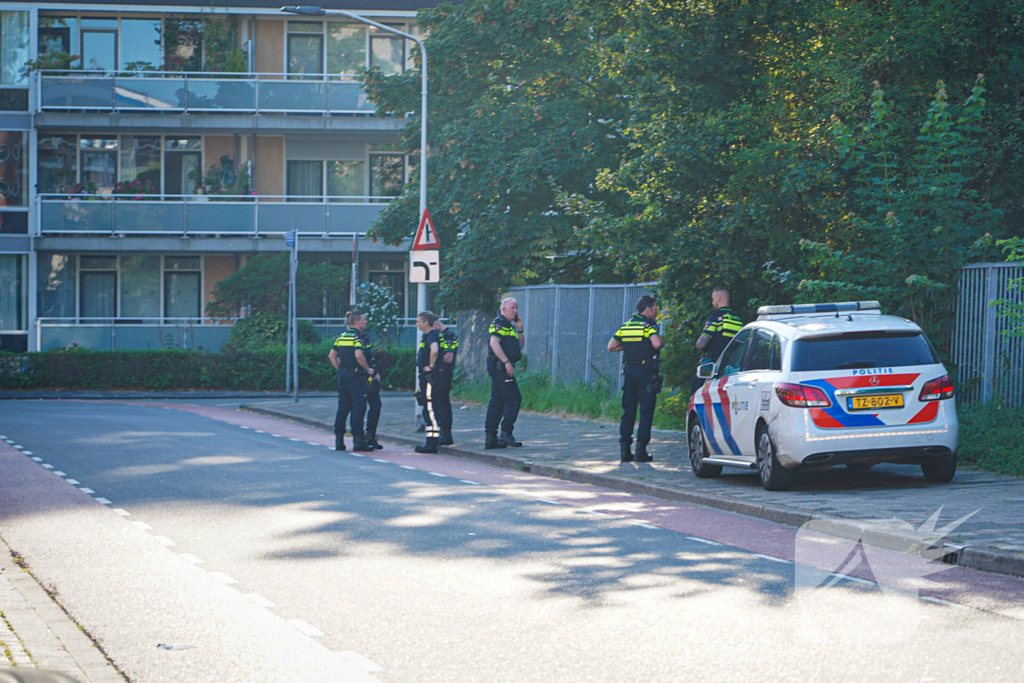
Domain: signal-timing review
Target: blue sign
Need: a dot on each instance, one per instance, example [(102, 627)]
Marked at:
[(289, 239)]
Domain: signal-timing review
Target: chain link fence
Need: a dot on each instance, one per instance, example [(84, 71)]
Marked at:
[(567, 328), (991, 362)]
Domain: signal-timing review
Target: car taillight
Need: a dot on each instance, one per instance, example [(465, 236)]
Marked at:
[(802, 396), (937, 389)]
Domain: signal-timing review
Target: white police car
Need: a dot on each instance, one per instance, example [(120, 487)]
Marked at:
[(810, 386)]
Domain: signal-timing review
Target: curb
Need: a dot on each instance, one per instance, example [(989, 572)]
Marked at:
[(972, 557)]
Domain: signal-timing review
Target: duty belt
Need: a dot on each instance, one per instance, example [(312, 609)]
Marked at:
[(638, 362), (354, 369)]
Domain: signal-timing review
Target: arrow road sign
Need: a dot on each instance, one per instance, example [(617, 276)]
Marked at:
[(424, 266), (426, 236)]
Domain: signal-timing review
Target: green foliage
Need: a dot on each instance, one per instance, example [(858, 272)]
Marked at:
[(50, 61), (380, 308), (261, 286), (991, 438), (166, 369), (521, 107), (262, 330), (209, 43), (1013, 309)]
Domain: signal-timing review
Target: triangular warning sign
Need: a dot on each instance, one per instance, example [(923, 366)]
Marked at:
[(426, 235)]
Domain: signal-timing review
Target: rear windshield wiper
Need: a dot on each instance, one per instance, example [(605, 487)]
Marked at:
[(855, 364)]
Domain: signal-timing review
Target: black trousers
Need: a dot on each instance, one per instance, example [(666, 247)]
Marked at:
[(372, 411), (351, 400), (429, 408), (443, 397), (505, 401), (635, 391)]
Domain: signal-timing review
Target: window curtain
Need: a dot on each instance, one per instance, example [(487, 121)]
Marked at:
[(13, 47), (10, 292), (98, 295), (56, 283), (345, 179), (305, 179)]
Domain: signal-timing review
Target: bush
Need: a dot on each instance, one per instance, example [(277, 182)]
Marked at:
[(166, 369), (991, 438), (262, 330)]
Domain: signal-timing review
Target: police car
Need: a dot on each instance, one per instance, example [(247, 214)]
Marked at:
[(811, 386)]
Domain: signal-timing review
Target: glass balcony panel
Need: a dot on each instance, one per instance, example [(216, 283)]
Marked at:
[(137, 337), (293, 96), (77, 92), (347, 218), (149, 216), (208, 216), (90, 336), (209, 337), (77, 216), (157, 94), (348, 97), (280, 218), (221, 94)]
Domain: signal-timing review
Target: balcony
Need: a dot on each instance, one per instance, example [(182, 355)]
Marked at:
[(196, 215), (195, 92)]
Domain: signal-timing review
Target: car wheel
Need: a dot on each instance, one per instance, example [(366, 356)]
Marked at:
[(774, 477), (698, 451), (858, 466), (940, 471)]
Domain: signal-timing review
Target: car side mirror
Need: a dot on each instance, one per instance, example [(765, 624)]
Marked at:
[(706, 370)]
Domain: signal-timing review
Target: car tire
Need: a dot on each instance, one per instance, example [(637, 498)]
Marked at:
[(774, 477), (940, 471), (859, 466), (698, 451)]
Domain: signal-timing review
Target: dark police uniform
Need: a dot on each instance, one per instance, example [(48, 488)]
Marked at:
[(505, 396), (372, 393), (351, 385), (721, 326), (427, 384), (640, 369), (449, 343)]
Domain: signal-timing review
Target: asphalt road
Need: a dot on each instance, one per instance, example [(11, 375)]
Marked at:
[(261, 553)]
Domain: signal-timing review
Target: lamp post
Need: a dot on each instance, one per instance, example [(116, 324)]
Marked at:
[(305, 10), (421, 289)]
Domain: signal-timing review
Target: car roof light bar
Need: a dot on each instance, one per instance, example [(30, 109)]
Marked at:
[(804, 309)]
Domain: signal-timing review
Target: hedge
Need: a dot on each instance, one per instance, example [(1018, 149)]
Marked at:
[(167, 369)]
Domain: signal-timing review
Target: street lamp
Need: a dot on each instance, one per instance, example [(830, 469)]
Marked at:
[(309, 11)]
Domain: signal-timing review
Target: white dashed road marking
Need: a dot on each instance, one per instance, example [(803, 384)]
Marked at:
[(306, 628), (83, 489), (59, 474), (223, 578), (435, 474), (142, 525), (48, 466), (38, 459), (164, 540), (406, 467), (259, 431), (191, 559), (291, 439), (773, 559), (467, 481), (73, 482), (20, 448), (103, 501), (260, 600), (378, 460), (122, 512), (27, 452), (645, 526), (549, 502), (703, 540)]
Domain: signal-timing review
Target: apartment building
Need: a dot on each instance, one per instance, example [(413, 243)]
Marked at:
[(150, 149)]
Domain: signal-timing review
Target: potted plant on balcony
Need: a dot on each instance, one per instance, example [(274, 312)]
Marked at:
[(138, 188)]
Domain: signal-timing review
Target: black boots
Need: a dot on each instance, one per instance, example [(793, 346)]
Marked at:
[(371, 441), (339, 442), (641, 452), (491, 442), (625, 455), (359, 443), (509, 440), (446, 438), (429, 447)]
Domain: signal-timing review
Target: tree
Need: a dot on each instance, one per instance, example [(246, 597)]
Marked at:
[(380, 308), (521, 108), (261, 285)]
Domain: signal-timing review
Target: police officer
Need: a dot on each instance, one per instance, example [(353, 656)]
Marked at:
[(448, 347), (504, 351), (372, 385), (426, 364), (639, 343), (720, 328), (348, 359)]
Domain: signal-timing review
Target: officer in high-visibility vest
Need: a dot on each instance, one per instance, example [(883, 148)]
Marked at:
[(719, 329), (349, 361), (426, 364), (373, 380), (505, 348), (449, 347), (639, 342)]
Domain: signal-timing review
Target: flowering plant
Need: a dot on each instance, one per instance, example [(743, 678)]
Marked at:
[(136, 187)]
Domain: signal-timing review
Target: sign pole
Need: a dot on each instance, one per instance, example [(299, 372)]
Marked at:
[(295, 312)]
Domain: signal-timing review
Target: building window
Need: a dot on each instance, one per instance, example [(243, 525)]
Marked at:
[(13, 47), (13, 169), (140, 161), (345, 180), (99, 44), (58, 163), (106, 44), (305, 182), (387, 175), (305, 47), (387, 51), (140, 44), (182, 286), (346, 48), (56, 283), (184, 165), (58, 34), (12, 291), (140, 286), (98, 163), (339, 48), (97, 278)]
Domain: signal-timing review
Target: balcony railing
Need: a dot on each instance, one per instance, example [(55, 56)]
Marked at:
[(201, 92), (241, 215)]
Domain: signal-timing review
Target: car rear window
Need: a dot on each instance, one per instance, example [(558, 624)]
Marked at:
[(854, 350)]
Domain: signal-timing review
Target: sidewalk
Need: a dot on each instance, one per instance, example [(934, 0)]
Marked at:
[(587, 451), (36, 633)]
